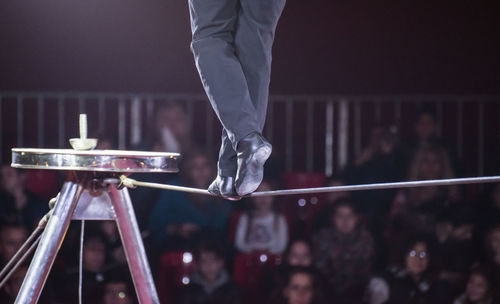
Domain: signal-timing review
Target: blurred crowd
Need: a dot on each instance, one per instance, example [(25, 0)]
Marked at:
[(415, 245)]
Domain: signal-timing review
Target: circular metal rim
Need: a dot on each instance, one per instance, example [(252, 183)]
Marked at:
[(121, 161)]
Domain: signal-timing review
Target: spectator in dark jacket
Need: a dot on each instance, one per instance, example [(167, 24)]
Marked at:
[(413, 283), (211, 283), (300, 287), (343, 254)]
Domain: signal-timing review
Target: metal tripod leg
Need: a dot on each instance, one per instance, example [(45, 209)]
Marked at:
[(133, 246), (49, 244)]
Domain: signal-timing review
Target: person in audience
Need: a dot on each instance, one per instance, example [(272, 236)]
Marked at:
[(479, 289), (173, 129), (12, 237), (9, 293), (16, 203), (178, 217), (343, 254), (454, 233), (110, 230), (376, 163), (413, 283), (415, 208), (95, 250), (11, 288), (300, 287), (493, 248), (118, 288), (262, 227), (297, 254), (489, 208), (211, 282), (321, 219), (425, 134), (170, 132)]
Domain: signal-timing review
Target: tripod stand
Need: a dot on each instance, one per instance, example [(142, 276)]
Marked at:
[(90, 193)]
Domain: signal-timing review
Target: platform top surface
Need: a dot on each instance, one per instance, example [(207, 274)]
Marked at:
[(95, 160), (95, 152)]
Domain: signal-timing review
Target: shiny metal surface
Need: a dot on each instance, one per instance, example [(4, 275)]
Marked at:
[(133, 246), (49, 244), (95, 160), (95, 207)]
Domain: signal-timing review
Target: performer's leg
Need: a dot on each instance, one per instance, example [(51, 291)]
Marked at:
[(213, 25), (257, 21), (226, 170)]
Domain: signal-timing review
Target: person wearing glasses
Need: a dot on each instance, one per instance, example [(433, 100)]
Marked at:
[(412, 283)]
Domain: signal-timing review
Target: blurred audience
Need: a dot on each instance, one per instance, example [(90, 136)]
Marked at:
[(357, 247), (343, 253), (262, 227)]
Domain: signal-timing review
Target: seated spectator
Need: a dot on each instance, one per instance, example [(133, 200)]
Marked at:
[(301, 287), (414, 209), (322, 219), (454, 233), (297, 254), (490, 208), (173, 129), (425, 134), (479, 288), (110, 230), (170, 132), (177, 217), (211, 283), (412, 283), (375, 164), (12, 237), (94, 269), (118, 288), (493, 247), (343, 254), (261, 227), (9, 293), (16, 203)]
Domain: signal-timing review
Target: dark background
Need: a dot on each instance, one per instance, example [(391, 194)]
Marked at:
[(321, 47)]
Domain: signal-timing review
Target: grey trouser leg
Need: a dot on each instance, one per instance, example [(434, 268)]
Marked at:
[(232, 41)]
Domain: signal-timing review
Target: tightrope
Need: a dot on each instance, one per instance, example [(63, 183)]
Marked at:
[(132, 183)]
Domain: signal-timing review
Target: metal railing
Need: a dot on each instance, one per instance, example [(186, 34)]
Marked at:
[(333, 128)]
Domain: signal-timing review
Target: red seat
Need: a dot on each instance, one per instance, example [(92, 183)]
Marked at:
[(43, 183), (248, 271), (175, 272), (303, 208)]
